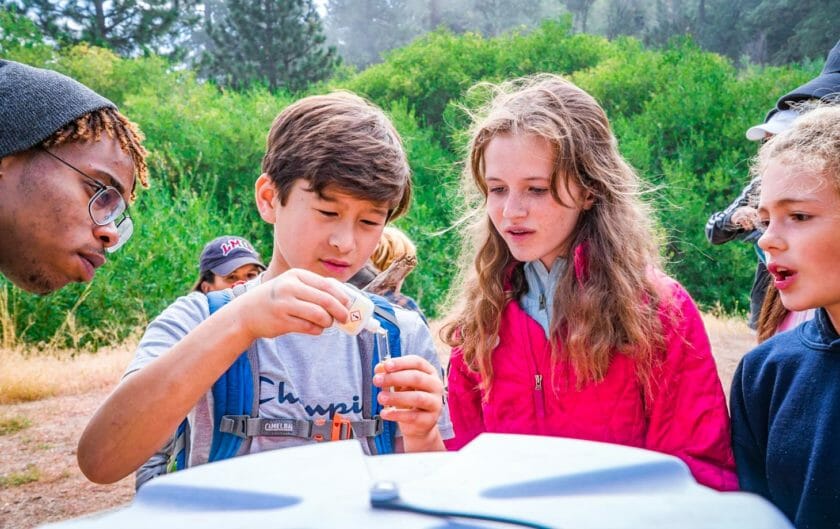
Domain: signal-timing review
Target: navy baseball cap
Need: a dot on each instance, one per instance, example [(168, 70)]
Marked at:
[(225, 254), (825, 85)]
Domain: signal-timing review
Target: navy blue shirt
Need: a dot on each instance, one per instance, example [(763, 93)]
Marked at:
[(785, 402)]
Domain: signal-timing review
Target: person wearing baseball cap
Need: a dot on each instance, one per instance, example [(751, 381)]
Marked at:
[(737, 221), (824, 87), (69, 165), (226, 261)]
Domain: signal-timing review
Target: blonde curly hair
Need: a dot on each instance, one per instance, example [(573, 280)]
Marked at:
[(394, 244)]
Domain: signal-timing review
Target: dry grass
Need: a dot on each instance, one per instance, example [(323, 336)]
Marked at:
[(28, 376), (10, 425), (442, 348), (731, 339), (30, 474)]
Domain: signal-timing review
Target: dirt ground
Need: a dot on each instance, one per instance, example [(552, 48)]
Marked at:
[(62, 492)]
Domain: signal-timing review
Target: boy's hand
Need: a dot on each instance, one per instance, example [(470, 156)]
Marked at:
[(295, 301), (416, 401)]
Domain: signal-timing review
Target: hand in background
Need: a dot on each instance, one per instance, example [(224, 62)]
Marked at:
[(746, 217)]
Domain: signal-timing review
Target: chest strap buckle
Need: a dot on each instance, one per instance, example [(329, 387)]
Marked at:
[(339, 429)]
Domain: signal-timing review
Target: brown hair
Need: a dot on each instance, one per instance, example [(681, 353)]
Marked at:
[(90, 127), (340, 140), (771, 315), (205, 277), (614, 309)]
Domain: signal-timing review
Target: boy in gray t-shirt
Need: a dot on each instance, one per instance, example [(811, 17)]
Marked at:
[(333, 175)]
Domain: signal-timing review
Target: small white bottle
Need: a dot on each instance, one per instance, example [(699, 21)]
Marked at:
[(361, 319), (361, 312)]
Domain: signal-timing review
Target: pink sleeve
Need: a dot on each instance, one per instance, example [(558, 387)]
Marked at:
[(464, 402), (687, 411)]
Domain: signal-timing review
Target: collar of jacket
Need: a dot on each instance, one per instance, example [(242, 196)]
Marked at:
[(819, 333), (580, 261)]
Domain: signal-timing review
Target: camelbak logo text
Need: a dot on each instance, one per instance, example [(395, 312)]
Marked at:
[(278, 426)]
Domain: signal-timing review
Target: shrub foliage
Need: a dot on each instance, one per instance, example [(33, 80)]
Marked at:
[(679, 113)]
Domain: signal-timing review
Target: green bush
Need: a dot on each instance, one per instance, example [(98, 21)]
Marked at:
[(429, 73), (688, 141), (435, 177), (439, 67), (213, 136), (679, 114), (550, 48)]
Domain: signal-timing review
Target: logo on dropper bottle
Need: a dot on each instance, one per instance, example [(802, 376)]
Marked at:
[(361, 312)]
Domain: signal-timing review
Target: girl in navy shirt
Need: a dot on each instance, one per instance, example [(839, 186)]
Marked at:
[(786, 393)]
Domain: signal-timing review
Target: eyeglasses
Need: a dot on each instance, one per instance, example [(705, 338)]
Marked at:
[(106, 206)]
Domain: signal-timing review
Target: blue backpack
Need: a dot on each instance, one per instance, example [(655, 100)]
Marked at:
[(236, 403)]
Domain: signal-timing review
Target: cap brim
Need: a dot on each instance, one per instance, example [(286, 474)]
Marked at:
[(759, 132), (756, 133), (229, 266), (777, 122), (817, 88)]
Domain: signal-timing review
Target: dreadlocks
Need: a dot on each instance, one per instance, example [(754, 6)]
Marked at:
[(90, 127)]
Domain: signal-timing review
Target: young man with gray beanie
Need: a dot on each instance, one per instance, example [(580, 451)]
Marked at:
[(69, 165)]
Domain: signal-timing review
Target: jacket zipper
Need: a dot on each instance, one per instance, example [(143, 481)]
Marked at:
[(539, 400), (539, 395)]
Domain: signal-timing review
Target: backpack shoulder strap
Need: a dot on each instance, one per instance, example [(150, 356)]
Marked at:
[(233, 393), (371, 429)]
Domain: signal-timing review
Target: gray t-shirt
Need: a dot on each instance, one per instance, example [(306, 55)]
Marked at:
[(301, 376)]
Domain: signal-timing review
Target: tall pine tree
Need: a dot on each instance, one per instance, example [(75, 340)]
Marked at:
[(624, 17), (580, 10), (279, 43), (127, 26)]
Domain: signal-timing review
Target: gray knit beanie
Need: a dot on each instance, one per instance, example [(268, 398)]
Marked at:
[(35, 103)]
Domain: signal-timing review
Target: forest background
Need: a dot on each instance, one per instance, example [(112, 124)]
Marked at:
[(681, 81)]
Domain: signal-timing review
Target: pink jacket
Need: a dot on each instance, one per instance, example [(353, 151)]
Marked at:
[(685, 415)]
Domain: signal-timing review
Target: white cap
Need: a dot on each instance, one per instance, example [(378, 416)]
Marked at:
[(779, 122), (373, 325)]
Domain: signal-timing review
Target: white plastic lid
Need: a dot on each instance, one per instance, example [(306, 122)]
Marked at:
[(372, 325)]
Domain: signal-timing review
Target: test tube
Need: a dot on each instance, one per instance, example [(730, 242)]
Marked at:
[(384, 347)]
